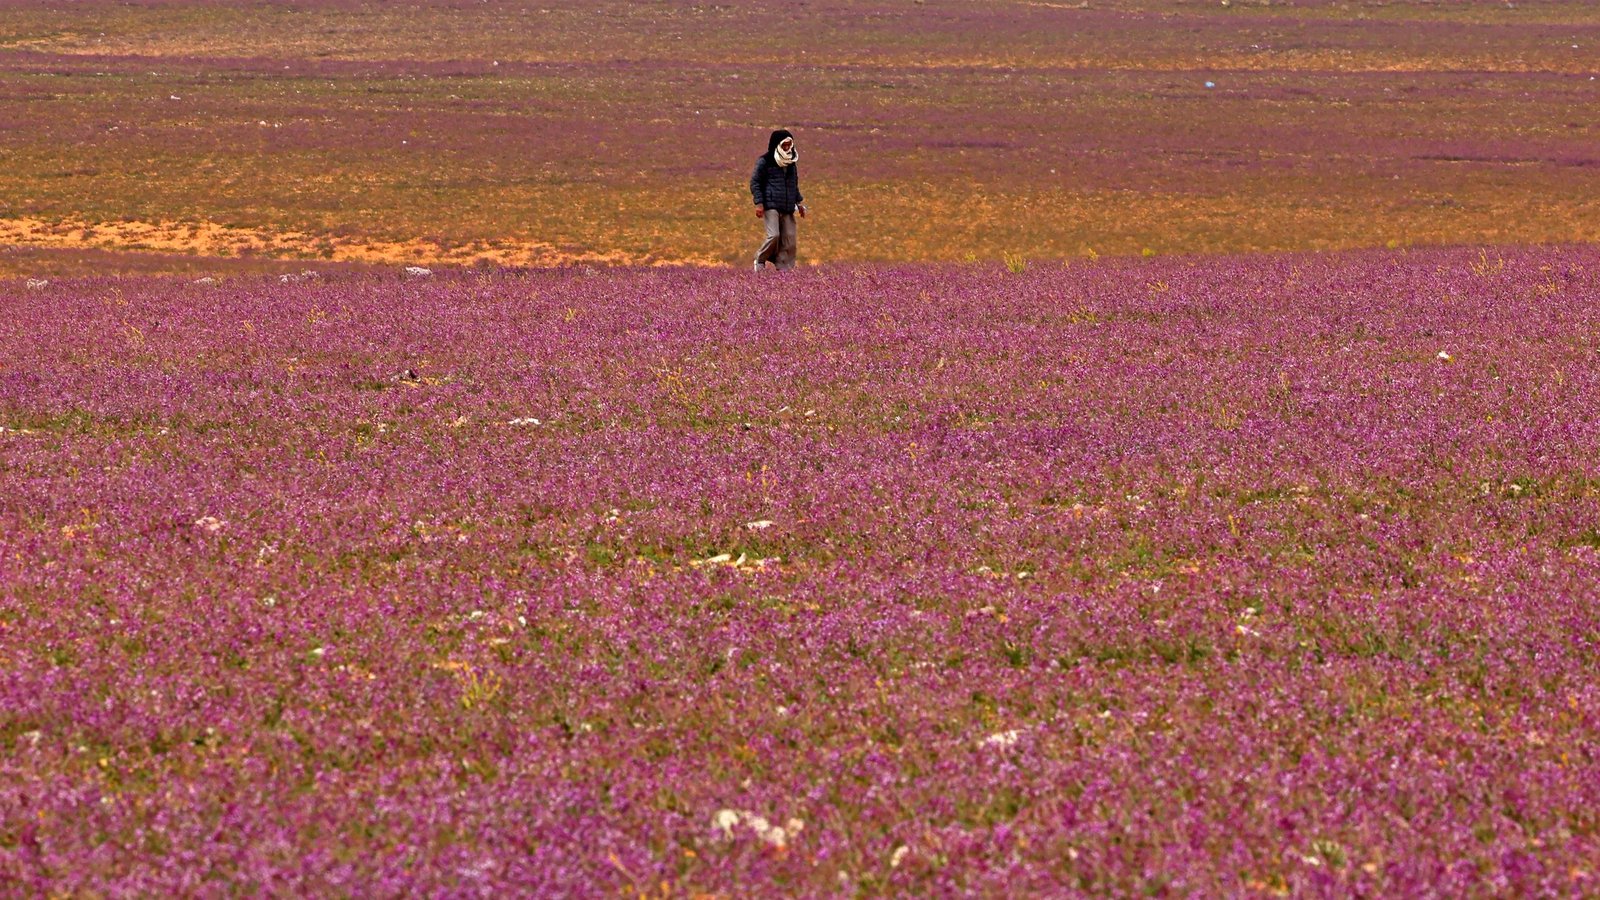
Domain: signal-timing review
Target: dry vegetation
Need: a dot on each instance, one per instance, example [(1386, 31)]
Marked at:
[(530, 134)]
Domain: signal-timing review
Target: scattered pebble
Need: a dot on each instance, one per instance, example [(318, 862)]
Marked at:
[(777, 836), (1002, 739)]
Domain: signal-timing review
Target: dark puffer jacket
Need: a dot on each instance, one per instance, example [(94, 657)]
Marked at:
[(774, 186)]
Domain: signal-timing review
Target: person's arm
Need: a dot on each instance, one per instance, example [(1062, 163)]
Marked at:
[(799, 200), (755, 186)]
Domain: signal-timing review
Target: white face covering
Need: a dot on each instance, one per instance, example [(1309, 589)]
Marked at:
[(785, 158)]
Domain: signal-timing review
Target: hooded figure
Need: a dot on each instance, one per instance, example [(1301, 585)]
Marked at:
[(775, 188)]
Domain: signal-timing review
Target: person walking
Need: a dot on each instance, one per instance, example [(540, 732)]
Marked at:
[(775, 187)]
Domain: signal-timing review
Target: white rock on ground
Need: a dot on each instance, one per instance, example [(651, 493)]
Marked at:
[(1002, 739)]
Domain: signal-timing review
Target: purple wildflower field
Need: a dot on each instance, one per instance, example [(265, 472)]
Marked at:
[(1223, 576)]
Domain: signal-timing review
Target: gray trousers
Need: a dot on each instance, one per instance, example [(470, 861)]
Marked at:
[(779, 247)]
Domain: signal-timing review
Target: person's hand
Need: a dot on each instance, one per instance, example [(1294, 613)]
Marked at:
[(801, 209), (760, 212)]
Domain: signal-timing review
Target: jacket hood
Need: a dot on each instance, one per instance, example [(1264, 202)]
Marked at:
[(776, 139)]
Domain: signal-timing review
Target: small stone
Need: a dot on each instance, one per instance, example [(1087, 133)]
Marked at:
[(1002, 739)]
